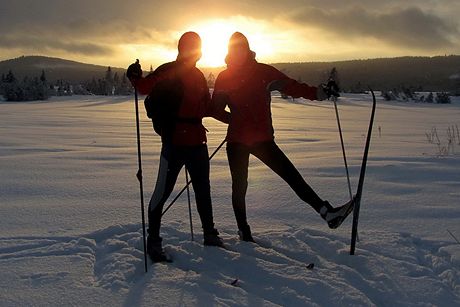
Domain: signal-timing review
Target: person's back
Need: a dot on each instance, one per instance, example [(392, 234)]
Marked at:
[(183, 96)]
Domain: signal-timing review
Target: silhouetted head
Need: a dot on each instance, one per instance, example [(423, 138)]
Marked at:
[(238, 50), (189, 47)]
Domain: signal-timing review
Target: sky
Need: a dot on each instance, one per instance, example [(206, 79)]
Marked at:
[(116, 32)]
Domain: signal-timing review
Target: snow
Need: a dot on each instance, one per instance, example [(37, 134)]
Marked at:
[(70, 231)]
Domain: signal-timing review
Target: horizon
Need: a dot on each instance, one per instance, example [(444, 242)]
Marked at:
[(114, 33), (146, 67)]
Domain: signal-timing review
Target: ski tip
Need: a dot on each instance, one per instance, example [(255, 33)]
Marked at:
[(372, 92)]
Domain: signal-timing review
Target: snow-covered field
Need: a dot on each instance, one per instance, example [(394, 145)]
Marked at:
[(70, 231)]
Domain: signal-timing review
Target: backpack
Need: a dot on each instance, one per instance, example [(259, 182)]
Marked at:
[(162, 105)]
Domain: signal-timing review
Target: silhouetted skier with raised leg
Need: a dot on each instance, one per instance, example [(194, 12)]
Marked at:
[(245, 88)]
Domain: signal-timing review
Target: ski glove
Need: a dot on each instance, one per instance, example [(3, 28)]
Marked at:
[(325, 91), (332, 89), (134, 71), (321, 93)]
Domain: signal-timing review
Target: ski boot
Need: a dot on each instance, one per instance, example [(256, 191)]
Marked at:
[(245, 234), (335, 216), (155, 250), (211, 238)]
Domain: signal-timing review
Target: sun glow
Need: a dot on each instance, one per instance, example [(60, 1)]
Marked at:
[(214, 38), (215, 35)]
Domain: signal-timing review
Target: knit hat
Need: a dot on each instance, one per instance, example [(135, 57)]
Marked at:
[(238, 42), (188, 42)]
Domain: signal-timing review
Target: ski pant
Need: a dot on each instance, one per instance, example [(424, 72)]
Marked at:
[(272, 156), (173, 158)]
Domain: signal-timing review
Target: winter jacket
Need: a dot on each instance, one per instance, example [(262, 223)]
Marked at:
[(246, 91), (187, 128)]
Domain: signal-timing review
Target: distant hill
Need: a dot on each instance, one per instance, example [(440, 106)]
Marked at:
[(55, 69), (441, 73)]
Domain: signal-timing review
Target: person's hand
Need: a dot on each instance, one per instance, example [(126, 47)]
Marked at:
[(332, 89), (325, 91), (134, 71), (321, 93)]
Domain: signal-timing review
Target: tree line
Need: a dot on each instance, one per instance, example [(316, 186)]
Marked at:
[(427, 74), (418, 74), (38, 87)]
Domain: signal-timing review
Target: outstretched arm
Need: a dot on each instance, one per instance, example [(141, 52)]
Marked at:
[(291, 87)]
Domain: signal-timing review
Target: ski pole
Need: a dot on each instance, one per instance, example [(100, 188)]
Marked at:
[(139, 175), (334, 99), (452, 235), (189, 204), (359, 192), (189, 181)]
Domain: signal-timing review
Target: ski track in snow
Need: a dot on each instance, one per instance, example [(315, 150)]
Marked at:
[(394, 269)]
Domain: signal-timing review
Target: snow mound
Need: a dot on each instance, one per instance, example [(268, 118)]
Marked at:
[(107, 266)]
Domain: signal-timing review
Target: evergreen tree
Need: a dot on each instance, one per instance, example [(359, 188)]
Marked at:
[(42, 87), (92, 87), (2, 85), (457, 86), (101, 87), (442, 98), (10, 87), (108, 84), (43, 77), (126, 87), (10, 78), (334, 75), (116, 83), (429, 98)]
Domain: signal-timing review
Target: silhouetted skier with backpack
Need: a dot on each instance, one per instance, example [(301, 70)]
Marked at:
[(178, 100)]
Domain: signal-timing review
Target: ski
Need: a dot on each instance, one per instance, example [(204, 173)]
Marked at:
[(354, 230)]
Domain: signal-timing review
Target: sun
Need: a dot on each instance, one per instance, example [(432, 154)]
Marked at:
[(215, 35), (214, 40)]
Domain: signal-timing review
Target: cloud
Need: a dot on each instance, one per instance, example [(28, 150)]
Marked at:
[(410, 27), (115, 29), (43, 44), (84, 26)]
